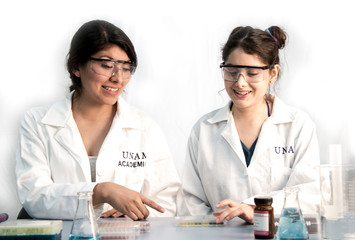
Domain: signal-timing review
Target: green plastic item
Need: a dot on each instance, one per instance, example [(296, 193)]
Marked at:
[(31, 229)]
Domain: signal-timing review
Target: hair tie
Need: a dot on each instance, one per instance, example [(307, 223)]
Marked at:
[(273, 37)]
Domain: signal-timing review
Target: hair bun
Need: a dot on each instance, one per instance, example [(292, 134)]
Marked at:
[(279, 34)]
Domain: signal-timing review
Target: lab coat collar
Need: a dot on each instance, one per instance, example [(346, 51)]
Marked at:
[(126, 115), (229, 132), (281, 113), (221, 114), (59, 113)]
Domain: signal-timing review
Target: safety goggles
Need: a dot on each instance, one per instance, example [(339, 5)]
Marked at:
[(251, 74), (109, 67)]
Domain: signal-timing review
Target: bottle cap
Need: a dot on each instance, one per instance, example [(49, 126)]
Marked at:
[(263, 200), (3, 217)]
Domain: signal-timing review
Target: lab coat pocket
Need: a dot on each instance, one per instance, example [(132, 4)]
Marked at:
[(279, 177)]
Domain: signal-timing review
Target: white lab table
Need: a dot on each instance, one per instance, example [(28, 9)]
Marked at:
[(165, 229)]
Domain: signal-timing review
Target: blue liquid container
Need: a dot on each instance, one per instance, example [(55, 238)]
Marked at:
[(78, 237), (292, 225), (84, 224)]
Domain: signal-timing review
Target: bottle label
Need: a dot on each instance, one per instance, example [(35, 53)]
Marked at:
[(261, 223)]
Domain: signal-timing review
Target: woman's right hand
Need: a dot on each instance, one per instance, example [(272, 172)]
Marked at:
[(124, 200), (234, 209)]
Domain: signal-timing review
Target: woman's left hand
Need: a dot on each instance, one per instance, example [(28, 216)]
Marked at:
[(242, 210)]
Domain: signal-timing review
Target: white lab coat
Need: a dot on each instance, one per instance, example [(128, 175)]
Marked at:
[(52, 164), (286, 154)]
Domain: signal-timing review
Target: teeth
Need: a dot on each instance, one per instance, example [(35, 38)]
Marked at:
[(111, 89), (242, 93)]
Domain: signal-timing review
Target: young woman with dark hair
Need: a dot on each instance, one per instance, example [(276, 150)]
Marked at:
[(94, 141), (256, 144)]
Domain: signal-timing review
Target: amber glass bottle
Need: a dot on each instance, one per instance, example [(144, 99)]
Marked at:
[(264, 225)]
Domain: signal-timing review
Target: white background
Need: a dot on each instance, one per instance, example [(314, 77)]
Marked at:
[(178, 79)]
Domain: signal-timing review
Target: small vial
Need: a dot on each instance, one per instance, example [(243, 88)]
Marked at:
[(264, 225)]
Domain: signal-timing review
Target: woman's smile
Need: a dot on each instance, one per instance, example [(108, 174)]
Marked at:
[(110, 90), (241, 93)]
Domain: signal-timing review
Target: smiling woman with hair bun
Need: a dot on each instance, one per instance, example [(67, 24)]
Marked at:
[(256, 144)]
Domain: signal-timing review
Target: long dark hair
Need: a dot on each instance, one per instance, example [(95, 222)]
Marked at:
[(92, 37)]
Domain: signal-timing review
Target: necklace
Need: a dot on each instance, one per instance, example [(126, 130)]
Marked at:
[(268, 109)]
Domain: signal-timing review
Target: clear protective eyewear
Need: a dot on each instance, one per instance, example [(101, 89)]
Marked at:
[(109, 67), (251, 74)]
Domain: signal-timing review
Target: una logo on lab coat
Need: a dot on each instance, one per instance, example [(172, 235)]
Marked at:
[(132, 159), (284, 150)]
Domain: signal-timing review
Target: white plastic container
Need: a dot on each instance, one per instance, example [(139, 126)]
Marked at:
[(122, 228)]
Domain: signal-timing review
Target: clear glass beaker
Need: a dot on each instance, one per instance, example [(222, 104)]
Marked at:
[(84, 223), (337, 212), (291, 225)]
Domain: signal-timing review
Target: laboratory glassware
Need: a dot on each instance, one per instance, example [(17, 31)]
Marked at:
[(84, 224), (337, 210), (264, 224), (292, 225)]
